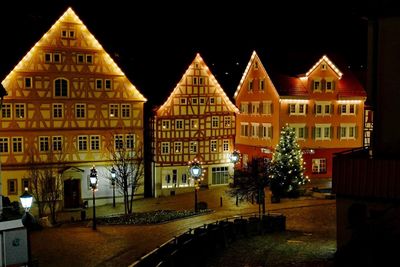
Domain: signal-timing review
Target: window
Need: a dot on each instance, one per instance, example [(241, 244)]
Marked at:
[(25, 183), (6, 111), (323, 66), (214, 122), (266, 131), (95, 142), (194, 100), (114, 110), (201, 80), (297, 109), (82, 143), (28, 82), (194, 80), (44, 145), (107, 84), (319, 165), (71, 34), (19, 111), (3, 144), (64, 34), (212, 100), (193, 147), (58, 111), (164, 148), (61, 87), (244, 129), (194, 123), (261, 85), (250, 85), (183, 101), (256, 65), (254, 130), (80, 58), (255, 107), (322, 108), (300, 130), (57, 143), (225, 145), (12, 186), (165, 124), (80, 111), (47, 57), (130, 141), (348, 109), (244, 107), (213, 146), (220, 175), (330, 85), (348, 131), (178, 147), (184, 179), (89, 59), (227, 121), (99, 84), (118, 141), (316, 85), (57, 57), (17, 144), (126, 110), (174, 177), (322, 132), (179, 124), (202, 100)]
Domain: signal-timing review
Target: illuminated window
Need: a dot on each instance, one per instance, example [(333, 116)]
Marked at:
[(19, 111), (58, 111), (126, 110), (107, 84), (6, 111), (244, 107), (165, 124), (57, 143), (95, 142), (17, 144), (28, 82), (213, 145), (82, 143), (3, 144), (12, 186), (178, 147), (61, 87), (80, 111), (266, 131), (194, 123), (114, 110), (319, 165), (44, 145), (244, 129), (220, 175), (164, 148)]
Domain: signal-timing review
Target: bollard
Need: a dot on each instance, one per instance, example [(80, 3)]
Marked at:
[(220, 201)]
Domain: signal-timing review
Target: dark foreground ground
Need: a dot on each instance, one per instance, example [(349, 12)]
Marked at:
[(310, 241)]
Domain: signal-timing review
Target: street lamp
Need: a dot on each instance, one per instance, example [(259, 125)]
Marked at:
[(27, 219), (113, 174), (235, 157), (196, 172), (93, 185)]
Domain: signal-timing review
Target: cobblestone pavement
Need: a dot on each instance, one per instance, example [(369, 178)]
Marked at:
[(76, 244)]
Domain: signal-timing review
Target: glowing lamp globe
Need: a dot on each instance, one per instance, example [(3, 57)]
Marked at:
[(26, 200), (195, 171)]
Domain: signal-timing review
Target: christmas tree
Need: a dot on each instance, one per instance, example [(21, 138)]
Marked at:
[(287, 166)]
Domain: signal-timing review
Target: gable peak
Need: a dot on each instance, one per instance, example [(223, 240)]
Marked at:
[(325, 59)]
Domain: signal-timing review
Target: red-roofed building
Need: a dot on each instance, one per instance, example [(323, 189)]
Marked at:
[(325, 107)]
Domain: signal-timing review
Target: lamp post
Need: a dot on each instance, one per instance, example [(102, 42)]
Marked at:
[(93, 185), (234, 157), (27, 218), (113, 174), (196, 173)]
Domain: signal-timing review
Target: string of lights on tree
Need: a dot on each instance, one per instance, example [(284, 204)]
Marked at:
[(287, 165)]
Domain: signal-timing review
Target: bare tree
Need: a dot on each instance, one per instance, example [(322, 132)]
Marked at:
[(129, 170), (46, 182)]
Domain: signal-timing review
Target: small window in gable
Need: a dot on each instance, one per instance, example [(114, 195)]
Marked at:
[(212, 100), (80, 58), (99, 84), (64, 33), (256, 65), (107, 84), (57, 57), (183, 101), (71, 34), (89, 59), (323, 66), (28, 82), (194, 80), (47, 57), (194, 100), (202, 100)]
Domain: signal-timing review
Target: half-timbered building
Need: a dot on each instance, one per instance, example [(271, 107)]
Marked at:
[(67, 99), (196, 122), (325, 106)]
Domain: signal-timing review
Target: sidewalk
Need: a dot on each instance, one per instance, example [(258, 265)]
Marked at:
[(76, 244)]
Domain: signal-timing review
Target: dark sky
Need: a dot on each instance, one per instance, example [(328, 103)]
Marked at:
[(153, 43)]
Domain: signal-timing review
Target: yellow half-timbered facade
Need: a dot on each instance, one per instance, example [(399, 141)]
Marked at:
[(196, 122), (67, 97)]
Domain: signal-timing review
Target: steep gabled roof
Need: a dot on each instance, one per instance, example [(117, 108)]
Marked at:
[(212, 82), (52, 38), (325, 59), (288, 85)]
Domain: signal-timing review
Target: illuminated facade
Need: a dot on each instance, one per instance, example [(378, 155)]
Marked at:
[(325, 106), (67, 99), (196, 122)]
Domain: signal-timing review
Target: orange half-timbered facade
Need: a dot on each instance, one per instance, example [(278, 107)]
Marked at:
[(196, 122), (324, 106), (67, 97)]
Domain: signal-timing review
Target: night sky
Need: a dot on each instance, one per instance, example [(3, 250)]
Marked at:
[(154, 43)]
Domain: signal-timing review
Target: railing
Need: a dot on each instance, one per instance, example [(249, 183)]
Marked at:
[(194, 246)]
